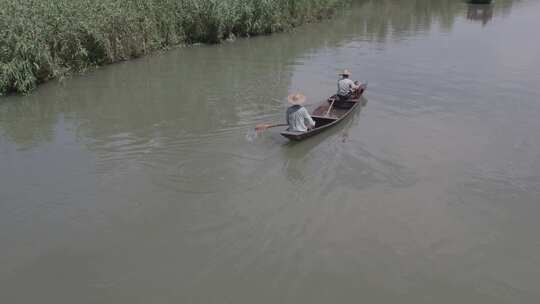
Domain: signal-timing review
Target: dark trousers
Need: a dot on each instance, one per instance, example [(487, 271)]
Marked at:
[(343, 98)]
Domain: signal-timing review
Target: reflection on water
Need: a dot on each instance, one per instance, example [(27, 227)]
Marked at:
[(142, 182), (480, 12)]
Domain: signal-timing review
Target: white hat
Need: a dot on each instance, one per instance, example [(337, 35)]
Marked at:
[(345, 72), (296, 98)]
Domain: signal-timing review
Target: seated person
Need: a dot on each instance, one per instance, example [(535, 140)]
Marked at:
[(298, 117), (345, 86)]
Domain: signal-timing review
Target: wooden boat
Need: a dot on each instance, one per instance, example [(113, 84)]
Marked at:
[(338, 112)]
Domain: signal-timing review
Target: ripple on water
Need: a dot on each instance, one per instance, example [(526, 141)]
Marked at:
[(206, 172), (212, 162)]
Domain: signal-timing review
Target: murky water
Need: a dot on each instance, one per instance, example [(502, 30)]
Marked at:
[(136, 183)]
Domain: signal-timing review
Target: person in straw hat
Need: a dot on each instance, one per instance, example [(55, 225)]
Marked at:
[(345, 86), (298, 117)]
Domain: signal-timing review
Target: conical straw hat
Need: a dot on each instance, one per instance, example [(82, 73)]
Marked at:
[(296, 98), (345, 72)]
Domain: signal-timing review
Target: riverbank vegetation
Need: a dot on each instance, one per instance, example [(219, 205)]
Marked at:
[(44, 39)]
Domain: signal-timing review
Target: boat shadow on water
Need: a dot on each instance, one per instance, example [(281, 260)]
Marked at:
[(328, 160), (304, 160)]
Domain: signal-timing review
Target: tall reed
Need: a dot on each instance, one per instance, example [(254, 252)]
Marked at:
[(43, 39)]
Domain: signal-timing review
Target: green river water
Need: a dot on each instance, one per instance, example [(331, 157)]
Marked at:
[(142, 182)]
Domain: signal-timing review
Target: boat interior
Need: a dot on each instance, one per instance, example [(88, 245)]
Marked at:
[(322, 121), (320, 114)]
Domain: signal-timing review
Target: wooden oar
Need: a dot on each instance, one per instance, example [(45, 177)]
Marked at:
[(266, 126), (330, 107)]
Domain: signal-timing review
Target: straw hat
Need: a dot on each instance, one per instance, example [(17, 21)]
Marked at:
[(296, 98), (345, 72)]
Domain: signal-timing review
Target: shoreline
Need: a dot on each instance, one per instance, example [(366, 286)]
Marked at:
[(42, 43)]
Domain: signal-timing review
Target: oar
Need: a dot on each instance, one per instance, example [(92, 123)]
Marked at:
[(330, 107), (266, 126)]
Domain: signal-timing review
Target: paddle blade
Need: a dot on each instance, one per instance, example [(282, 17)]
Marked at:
[(262, 127)]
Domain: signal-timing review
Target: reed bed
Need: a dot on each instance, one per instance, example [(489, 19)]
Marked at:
[(44, 39)]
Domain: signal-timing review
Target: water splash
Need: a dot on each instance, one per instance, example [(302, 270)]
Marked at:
[(251, 135)]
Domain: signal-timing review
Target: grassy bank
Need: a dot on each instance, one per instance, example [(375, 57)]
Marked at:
[(44, 39)]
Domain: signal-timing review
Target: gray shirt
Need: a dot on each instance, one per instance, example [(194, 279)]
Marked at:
[(299, 119), (345, 86)]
